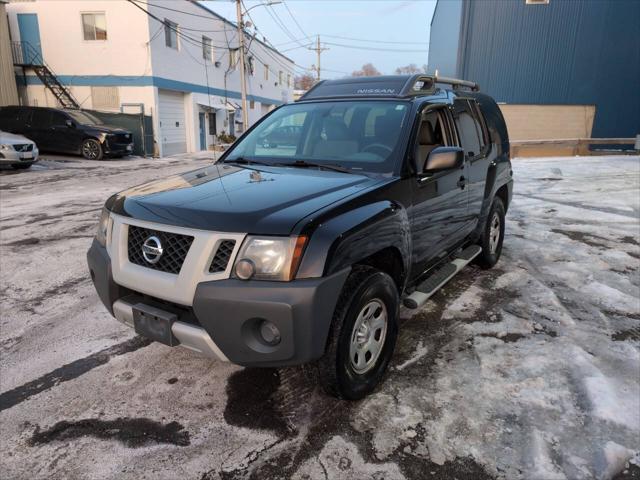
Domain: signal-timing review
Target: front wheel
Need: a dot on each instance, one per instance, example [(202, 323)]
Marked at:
[(92, 150), (363, 335), (492, 236)]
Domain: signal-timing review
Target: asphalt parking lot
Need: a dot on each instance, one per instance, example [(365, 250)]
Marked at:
[(529, 370)]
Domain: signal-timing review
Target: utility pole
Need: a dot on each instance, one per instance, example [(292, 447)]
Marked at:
[(243, 84), (318, 51)]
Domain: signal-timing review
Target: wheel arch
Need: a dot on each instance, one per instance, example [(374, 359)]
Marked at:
[(503, 194), (376, 234)]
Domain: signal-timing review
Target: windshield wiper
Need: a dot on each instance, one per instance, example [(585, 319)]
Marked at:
[(246, 161), (305, 164)]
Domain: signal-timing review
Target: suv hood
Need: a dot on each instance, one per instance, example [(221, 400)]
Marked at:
[(226, 198)]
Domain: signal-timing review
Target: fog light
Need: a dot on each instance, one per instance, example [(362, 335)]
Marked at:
[(245, 269), (270, 333)]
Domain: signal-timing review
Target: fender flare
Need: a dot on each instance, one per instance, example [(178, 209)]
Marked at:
[(355, 235)]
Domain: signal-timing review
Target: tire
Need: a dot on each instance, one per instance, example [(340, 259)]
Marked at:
[(92, 149), (367, 296), (492, 246), (21, 166)]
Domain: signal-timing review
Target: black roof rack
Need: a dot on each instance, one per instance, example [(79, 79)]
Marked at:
[(385, 86)]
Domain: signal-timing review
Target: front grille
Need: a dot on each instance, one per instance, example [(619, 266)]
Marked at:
[(23, 147), (175, 248), (222, 256), (118, 138)]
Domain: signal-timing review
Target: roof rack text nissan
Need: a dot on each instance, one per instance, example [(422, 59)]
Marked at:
[(301, 250)]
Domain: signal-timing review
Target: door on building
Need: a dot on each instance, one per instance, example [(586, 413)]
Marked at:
[(30, 38), (173, 133), (203, 131)]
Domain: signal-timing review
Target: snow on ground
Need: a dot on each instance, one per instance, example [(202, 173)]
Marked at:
[(529, 370)]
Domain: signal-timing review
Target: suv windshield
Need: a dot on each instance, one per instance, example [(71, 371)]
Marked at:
[(83, 118), (360, 135)]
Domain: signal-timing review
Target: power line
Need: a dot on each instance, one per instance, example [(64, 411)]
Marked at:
[(357, 47), (267, 51), (208, 17), (274, 15), (182, 35), (376, 41), (318, 49), (294, 19), (390, 42)]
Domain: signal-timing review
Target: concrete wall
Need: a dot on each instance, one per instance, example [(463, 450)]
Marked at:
[(548, 122), (444, 38), (8, 89)]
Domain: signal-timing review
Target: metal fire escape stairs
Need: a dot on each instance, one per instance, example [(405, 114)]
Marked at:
[(26, 56)]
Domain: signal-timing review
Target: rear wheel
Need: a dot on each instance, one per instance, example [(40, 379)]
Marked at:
[(363, 335), (92, 150), (492, 236)]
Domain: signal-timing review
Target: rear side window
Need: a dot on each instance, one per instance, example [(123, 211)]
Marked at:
[(41, 118), (469, 128), (58, 119)]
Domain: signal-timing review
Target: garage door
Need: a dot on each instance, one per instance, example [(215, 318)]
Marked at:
[(172, 127)]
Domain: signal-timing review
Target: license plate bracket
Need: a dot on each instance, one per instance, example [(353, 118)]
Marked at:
[(154, 323)]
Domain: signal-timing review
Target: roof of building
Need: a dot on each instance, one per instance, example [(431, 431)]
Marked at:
[(235, 25)]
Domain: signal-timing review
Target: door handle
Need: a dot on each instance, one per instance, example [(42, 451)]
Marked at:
[(462, 182)]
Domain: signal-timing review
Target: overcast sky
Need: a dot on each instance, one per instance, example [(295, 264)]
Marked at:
[(374, 21)]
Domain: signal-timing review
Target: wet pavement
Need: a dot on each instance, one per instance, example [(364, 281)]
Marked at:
[(529, 370)]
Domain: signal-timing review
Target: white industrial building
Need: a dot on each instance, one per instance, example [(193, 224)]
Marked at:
[(181, 66)]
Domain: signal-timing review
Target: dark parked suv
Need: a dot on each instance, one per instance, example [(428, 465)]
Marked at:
[(302, 253), (67, 131)]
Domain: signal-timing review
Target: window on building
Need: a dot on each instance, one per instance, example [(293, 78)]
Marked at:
[(94, 26), (266, 71), (170, 34), (252, 104), (251, 65), (105, 97), (207, 48), (280, 75), (233, 57), (289, 84)]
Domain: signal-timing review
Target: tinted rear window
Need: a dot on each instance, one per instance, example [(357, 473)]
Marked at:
[(41, 118)]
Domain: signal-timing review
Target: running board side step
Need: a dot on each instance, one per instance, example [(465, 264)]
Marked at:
[(436, 281)]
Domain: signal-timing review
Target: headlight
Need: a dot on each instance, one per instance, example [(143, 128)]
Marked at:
[(103, 227), (269, 258), (6, 147)]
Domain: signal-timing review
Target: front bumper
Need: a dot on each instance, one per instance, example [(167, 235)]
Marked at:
[(11, 157), (226, 314), (113, 148)]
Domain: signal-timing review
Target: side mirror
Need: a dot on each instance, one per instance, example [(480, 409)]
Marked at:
[(70, 124), (444, 158)]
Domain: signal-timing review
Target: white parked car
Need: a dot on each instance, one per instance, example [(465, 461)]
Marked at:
[(17, 151)]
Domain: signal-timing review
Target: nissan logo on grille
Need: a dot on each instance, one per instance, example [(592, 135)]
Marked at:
[(152, 249)]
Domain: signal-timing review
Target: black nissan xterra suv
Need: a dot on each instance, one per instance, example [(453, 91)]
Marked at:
[(302, 252)]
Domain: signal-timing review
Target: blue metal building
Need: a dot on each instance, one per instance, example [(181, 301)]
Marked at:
[(572, 52)]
